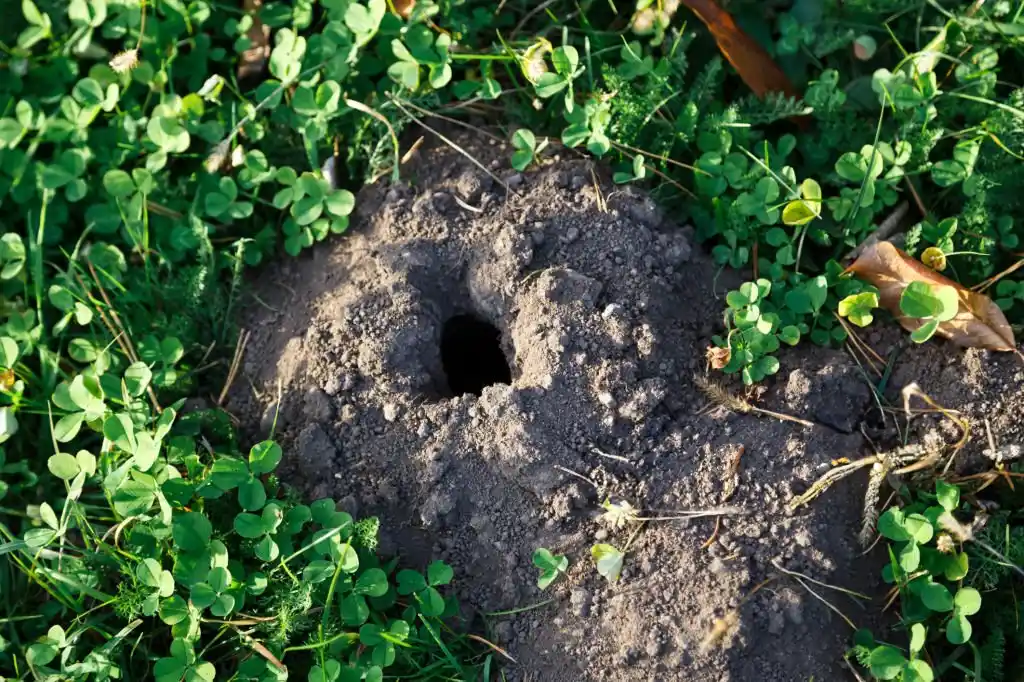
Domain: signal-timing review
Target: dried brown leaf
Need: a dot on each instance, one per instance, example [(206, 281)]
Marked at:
[(754, 65), (717, 357), (979, 323), (254, 59)]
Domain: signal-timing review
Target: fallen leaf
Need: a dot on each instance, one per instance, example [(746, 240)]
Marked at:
[(717, 357), (979, 323), (757, 69), (254, 59)]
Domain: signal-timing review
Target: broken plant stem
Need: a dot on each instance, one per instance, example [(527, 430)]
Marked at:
[(799, 577)]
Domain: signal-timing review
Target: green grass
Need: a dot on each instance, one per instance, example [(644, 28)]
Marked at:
[(133, 198)]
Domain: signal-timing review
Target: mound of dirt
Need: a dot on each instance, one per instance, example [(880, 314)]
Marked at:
[(482, 369)]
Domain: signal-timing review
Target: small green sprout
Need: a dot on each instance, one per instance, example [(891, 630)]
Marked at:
[(526, 148), (551, 566)]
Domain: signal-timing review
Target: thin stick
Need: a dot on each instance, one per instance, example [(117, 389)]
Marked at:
[(724, 511), (524, 609), (636, 150), (495, 647), (982, 286), (581, 476), (670, 181), (529, 15), (914, 390), (455, 147), (412, 150), (236, 361), (853, 670), (602, 203), (917, 197), (470, 126), (861, 344), (857, 595), (714, 534), (618, 458), (126, 344), (466, 206)]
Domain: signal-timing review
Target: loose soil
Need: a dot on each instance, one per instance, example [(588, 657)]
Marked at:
[(587, 312)]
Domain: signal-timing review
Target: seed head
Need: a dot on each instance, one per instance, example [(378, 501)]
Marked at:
[(123, 62)]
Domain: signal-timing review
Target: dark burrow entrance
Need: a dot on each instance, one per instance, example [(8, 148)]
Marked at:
[(472, 356)]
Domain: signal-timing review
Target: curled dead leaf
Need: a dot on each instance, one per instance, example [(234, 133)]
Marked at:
[(979, 323), (754, 65), (717, 358)]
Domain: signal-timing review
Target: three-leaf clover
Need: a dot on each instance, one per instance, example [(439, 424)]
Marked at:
[(261, 528), (857, 307), (82, 400), (760, 201), (424, 590), (566, 61), (222, 202), (421, 48), (316, 209), (183, 665), (634, 63), (213, 592), (931, 303), (526, 148), (550, 565)]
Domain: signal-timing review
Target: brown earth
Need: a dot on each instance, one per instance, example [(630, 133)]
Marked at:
[(602, 310)]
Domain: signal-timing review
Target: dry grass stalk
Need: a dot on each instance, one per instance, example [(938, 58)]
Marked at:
[(236, 362), (720, 397), (602, 203), (493, 646), (803, 580), (400, 104), (577, 475), (914, 391), (116, 327)]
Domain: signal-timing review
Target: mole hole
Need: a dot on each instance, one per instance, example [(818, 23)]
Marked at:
[(471, 355)]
